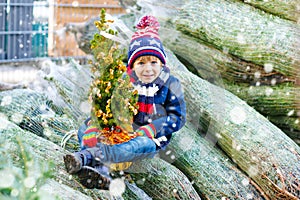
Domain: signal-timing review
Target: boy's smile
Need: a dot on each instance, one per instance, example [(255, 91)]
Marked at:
[(147, 68)]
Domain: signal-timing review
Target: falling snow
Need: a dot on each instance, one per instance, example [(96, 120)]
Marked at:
[(237, 115), (241, 39), (17, 118), (245, 182), (7, 178), (48, 132), (3, 121), (117, 187), (6, 100), (14, 192), (85, 107), (29, 182), (269, 91), (75, 3), (257, 75), (268, 67), (290, 113), (186, 142), (253, 171), (273, 81)]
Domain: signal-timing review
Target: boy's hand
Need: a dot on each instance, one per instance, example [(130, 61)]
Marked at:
[(89, 138), (147, 130)]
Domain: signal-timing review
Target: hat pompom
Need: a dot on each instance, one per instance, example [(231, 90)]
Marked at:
[(148, 21)]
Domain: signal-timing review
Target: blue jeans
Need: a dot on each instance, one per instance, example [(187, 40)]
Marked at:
[(135, 149)]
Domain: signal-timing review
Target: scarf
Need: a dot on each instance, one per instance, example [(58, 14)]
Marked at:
[(146, 93)]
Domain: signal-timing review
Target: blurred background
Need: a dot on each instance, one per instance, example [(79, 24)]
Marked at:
[(31, 30)]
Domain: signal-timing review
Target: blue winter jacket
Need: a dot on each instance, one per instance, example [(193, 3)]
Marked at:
[(169, 110)]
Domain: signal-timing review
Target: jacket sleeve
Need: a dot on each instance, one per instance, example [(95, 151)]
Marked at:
[(175, 108)]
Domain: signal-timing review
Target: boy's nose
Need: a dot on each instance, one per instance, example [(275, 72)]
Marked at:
[(148, 66)]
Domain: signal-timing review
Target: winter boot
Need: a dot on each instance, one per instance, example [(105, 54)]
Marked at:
[(74, 162), (94, 177)]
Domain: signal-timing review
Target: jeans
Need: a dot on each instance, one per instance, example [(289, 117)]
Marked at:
[(135, 149)]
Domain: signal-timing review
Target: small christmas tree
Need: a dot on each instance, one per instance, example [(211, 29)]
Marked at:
[(111, 93)]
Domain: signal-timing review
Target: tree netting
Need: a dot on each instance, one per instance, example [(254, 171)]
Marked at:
[(28, 113), (209, 169), (266, 40), (252, 53), (226, 150), (244, 56)]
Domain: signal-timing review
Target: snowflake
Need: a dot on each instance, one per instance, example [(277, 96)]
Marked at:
[(29, 182), (186, 142), (85, 107), (6, 100), (291, 113), (237, 115), (257, 74), (241, 39), (17, 118), (7, 178), (245, 182), (75, 4), (273, 81), (249, 196), (3, 121), (168, 152), (268, 67), (48, 132), (14, 192), (117, 187), (269, 91), (253, 171)]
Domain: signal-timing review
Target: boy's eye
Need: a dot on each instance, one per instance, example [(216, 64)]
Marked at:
[(154, 62), (140, 63)]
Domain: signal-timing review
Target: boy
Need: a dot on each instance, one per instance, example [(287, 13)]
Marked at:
[(161, 112)]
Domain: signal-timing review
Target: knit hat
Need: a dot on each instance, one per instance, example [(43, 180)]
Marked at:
[(145, 41)]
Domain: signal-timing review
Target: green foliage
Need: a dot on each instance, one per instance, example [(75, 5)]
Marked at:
[(111, 91), (22, 176)]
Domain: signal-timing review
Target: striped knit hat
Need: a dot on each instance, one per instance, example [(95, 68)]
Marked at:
[(145, 41)]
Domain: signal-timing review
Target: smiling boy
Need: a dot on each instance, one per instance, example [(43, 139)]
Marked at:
[(162, 111)]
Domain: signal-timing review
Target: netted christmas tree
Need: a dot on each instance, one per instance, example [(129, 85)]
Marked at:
[(112, 95)]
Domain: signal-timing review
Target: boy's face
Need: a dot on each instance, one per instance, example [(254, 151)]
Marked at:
[(147, 68)]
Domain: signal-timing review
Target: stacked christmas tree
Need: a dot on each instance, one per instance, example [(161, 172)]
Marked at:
[(112, 95)]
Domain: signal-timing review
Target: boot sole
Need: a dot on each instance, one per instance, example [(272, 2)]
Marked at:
[(91, 178), (72, 164)]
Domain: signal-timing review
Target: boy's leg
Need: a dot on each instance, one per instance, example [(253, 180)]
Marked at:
[(74, 163), (135, 149), (80, 162)]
